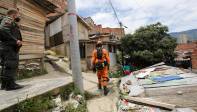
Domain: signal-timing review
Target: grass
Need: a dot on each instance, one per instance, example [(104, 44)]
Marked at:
[(44, 103), (25, 73), (70, 88), (116, 74), (36, 104), (66, 91)]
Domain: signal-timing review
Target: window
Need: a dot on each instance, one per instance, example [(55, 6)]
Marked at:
[(82, 50), (56, 40), (112, 48)]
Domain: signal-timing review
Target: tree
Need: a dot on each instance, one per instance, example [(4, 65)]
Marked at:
[(149, 45)]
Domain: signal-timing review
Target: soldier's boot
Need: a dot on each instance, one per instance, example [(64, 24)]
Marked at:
[(11, 85), (3, 84), (106, 90)]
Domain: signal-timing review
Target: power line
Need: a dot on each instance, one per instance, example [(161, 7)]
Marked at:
[(115, 13)]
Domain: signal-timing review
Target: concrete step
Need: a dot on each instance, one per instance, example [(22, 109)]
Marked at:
[(33, 87)]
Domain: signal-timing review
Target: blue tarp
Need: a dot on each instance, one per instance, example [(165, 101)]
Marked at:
[(166, 78)]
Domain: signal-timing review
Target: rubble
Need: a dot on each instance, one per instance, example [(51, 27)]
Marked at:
[(134, 86), (49, 52), (61, 62), (58, 104), (75, 100)]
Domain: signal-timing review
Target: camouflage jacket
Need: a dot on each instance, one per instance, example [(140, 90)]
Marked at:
[(9, 32)]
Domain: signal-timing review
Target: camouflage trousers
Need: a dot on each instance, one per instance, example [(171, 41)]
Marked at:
[(9, 61)]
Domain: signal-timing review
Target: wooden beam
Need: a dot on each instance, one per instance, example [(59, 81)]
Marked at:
[(173, 90), (150, 102), (26, 57)]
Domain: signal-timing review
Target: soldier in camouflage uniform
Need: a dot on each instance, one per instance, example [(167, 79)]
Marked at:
[(10, 43)]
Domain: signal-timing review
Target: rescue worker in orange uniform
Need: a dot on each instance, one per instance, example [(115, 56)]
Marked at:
[(100, 63)]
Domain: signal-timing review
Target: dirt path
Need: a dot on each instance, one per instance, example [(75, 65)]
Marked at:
[(101, 103)]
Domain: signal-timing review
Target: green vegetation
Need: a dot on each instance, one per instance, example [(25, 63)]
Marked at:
[(37, 104), (116, 74), (70, 88), (65, 92), (26, 73), (149, 45), (81, 108), (45, 103)]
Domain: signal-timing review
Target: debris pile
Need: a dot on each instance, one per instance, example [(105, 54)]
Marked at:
[(133, 87), (58, 104)]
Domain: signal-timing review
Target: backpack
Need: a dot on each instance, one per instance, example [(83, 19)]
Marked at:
[(100, 53), (100, 65)]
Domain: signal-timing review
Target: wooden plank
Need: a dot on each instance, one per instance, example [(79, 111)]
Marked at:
[(32, 25), (185, 100), (184, 110), (171, 90), (30, 56), (31, 5), (150, 102), (7, 4)]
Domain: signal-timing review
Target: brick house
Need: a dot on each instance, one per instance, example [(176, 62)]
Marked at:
[(57, 38), (187, 51), (109, 36)]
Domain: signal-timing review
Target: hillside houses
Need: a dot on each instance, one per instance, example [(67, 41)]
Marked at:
[(45, 25), (57, 38), (187, 52)]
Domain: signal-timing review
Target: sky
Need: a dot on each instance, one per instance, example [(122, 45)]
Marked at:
[(178, 15)]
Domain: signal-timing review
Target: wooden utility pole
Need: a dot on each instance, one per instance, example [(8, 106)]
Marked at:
[(74, 46)]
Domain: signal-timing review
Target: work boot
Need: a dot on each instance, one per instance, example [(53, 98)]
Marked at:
[(99, 86), (106, 91), (3, 84), (11, 85)]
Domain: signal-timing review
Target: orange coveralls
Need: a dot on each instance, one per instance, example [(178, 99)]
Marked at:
[(101, 74)]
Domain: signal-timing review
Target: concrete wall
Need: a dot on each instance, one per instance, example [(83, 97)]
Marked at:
[(113, 60), (183, 39), (82, 32), (60, 49), (62, 24), (82, 29), (55, 27), (89, 49)]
